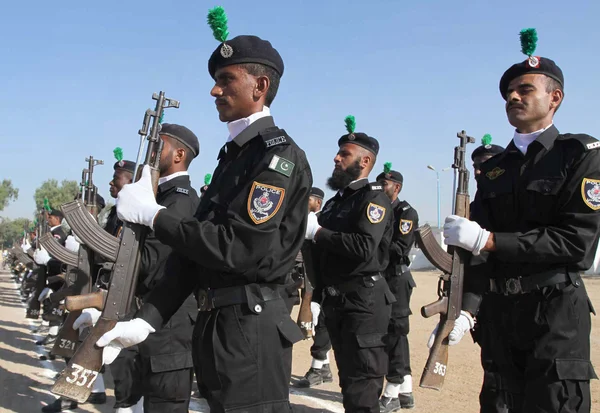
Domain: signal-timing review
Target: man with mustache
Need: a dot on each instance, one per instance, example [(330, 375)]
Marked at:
[(352, 236), (536, 223), (237, 250)]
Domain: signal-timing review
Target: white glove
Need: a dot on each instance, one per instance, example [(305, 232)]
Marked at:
[(46, 293), (72, 244), (25, 246), (88, 318), (41, 256), (315, 309), (137, 203), (124, 334), (462, 324), (465, 234), (312, 226), (76, 237)]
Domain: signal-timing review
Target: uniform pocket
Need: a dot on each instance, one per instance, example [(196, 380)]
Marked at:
[(575, 369), (372, 358), (289, 331), (171, 362), (542, 194)]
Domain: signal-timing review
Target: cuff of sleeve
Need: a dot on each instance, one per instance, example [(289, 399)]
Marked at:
[(164, 222), (151, 315), (323, 236), (506, 244), (471, 303), (154, 216)]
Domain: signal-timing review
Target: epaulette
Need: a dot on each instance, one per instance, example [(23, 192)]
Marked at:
[(588, 142), (275, 137), (183, 191), (376, 186)]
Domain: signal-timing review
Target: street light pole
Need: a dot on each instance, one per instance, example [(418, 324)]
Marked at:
[(439, 201)]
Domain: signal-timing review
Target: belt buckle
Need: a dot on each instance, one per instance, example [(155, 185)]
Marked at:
[(332, 291), (204, 302), (513, 286)]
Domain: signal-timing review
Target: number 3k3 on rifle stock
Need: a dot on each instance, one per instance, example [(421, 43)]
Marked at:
[(76, 380), (450, 286)]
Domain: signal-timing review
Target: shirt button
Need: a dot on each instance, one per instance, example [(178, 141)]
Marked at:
[(257, 308)]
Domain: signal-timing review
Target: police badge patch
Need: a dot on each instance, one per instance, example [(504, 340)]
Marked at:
[(375, 213), (405, 226), (590, 192), (264, 201)]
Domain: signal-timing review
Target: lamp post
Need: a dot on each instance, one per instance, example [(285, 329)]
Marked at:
[(439, 201)]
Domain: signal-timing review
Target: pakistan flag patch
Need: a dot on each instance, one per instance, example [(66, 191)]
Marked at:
[(281, 165)]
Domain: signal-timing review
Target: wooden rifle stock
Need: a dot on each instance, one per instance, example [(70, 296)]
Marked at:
[(92, 300)]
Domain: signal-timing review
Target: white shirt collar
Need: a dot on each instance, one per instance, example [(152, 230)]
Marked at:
[(54, 227), (237, 126), (522, 140), (167, 178)]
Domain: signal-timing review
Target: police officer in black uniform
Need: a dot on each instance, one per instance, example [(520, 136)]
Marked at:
[(239, 247), (353, 236), (537, 220), (122, 176), (398, 390)]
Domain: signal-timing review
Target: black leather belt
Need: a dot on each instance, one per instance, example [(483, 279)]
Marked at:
[(222, 297), (367, 281), (524, 285)]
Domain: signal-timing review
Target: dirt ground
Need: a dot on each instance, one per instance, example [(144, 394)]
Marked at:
[(25, 380)]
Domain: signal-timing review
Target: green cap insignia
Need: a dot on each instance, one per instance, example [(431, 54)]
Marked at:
[(217, 20), (529, 40), (387, 167), (486, 140)]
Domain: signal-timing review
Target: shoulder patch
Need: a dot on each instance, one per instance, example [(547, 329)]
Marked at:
[(275, 141), (590, 193), (376, 186), (406, 226), (593, 145), (375, 213), (183, 191), (264, 201), (57, 236), (281, 165), (495, 173), (589, 142)]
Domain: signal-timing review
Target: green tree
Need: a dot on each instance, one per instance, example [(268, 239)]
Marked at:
[(7, 193), (11, 231), (57, 195)]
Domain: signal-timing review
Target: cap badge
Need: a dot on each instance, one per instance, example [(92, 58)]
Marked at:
[(121, 163), (226, 51), (351, 137), (533, 61)]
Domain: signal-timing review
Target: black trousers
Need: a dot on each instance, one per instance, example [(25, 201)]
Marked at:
[(321, 341), (397, 343), (540, 342), (126, 372), (243, 357), (357, 322)]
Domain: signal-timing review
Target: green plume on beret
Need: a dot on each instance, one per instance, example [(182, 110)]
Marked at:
[(162, 116), (387, 167), (35, 222), (529, 40), (350, 123), (47, 205), (118, 152), (207, 179), (486, 140), (217, 20)]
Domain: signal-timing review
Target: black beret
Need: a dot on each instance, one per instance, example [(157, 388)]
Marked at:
[(534, 64), (100, 201), (391, 176), (317, 192), (360, 139), (125, 165), (183, 135), (483, 150), (56, 213), (245, 49)]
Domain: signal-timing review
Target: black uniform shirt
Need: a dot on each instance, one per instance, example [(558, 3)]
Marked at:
[(54, 266), (543, 207), (356, 233), (406, 220), (113, 223), (250, 223), (178, 195)]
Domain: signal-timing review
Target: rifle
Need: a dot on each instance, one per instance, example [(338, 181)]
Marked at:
[(450, 284), (90, 190), (76, 380), (33, 305)]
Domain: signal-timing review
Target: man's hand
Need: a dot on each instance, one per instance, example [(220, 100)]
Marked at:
[(465, 234), (41, 256), (88, 318), (124, 334), (462, 324), (46, 293), (136, 202), (315, 309), (312, 226), (72, 244)]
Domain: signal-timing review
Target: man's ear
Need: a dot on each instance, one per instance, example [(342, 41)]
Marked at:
[(262, 86)]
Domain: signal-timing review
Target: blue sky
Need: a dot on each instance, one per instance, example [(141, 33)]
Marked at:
[(76, 78)]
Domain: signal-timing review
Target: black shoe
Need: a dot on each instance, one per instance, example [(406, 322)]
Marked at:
[(60, 405), (314, 377), (49, 339), (49, 356), (97, 398), (389, 404), (407, 401)]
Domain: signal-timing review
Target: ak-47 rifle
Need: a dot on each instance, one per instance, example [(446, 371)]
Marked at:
[(90, 190), (76, 380), (450, 285)]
